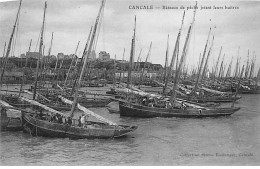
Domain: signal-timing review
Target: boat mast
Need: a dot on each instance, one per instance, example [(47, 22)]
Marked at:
[(138, 59), (49, 52), (201, 65), (114, 72), (166, 60), (206, 62), (74, 56), (21, 87), (252, 68), (147, 56), (238, 86), (221, 67), (132, 54), (77, 70), (86, 57), (223, 70), (257, 77), (182, 59), (175, 53), (122, 67), (56, 65), (216, 67), (40, 52), (28, 51), (229, 68), (236, 69), (10, 43), (247, 65), (47, 60), (60, 70), (2, 60)]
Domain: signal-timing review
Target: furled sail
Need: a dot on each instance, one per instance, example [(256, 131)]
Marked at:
[(213, 91), (42, 106), (162, 84), (141, 93), (85, 110), (38, 95)]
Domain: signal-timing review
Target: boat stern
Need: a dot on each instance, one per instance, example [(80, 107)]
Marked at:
[(124, 131)]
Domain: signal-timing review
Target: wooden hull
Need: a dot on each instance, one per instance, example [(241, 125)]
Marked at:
[(132, 110), (37, 127)]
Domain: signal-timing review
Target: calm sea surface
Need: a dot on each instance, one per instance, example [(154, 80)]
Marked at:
[(233, 140)]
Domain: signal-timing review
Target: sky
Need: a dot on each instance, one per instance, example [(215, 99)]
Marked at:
[(70, 20)]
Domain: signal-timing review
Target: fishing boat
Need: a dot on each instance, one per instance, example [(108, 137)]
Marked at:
[(38, 125), (137, 110), (44, 128)]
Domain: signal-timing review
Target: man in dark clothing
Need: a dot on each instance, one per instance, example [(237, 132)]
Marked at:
[(60, 119), (79, 121), (233, 88), (40, 115), (69, 121)]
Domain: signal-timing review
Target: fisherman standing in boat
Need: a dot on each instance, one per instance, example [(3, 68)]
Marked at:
[(168, 105), (183, 106), (69, 121), (150, 103), (79, 120), (233, 89), (83, 120)]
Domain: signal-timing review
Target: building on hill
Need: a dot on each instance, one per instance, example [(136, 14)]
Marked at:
[(34, 55), (60, 56), (22, 55), (103, 55), (12, 76)]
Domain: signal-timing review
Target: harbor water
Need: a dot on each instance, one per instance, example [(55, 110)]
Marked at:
[(233, 140)]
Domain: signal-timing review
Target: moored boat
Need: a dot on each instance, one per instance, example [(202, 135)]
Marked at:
[(42, 123), (38, 127), (136, 110)]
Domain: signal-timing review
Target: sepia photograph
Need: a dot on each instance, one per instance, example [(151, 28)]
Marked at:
[(129, 83)]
